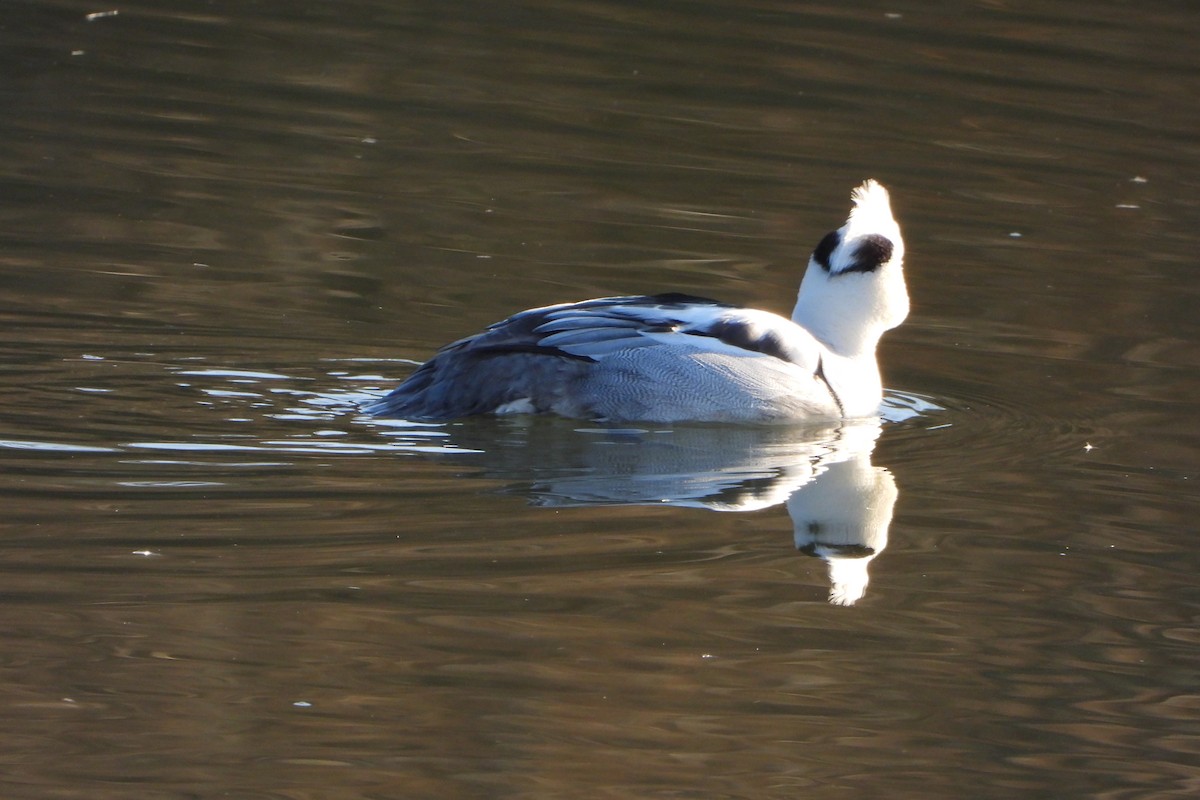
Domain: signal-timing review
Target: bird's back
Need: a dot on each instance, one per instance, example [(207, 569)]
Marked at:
[(652, 358)]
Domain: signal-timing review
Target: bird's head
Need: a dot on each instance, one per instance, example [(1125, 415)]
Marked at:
[(854, 287)]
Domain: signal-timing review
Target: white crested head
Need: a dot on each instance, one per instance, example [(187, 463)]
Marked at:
[(854, 287), (872, 215)]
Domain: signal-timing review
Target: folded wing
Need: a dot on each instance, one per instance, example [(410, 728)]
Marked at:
[(543, 359)]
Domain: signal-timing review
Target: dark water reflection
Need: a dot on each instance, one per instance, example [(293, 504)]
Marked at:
[(221, 225), (840, 505)]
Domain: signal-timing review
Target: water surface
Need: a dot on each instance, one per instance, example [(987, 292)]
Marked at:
[(221, 227)]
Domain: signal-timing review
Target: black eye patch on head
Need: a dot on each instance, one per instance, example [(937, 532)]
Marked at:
[(825, 249), (871, 252)]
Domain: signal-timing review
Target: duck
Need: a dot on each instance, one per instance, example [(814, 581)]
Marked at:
[(675, 357)]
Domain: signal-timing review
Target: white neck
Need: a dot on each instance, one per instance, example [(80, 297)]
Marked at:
[(855, 381), (847, 326)]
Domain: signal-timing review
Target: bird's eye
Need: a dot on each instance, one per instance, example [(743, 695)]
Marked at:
[(825, 249), (872, 251)]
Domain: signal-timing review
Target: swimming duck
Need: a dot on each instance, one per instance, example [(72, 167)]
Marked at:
[(677, 358)]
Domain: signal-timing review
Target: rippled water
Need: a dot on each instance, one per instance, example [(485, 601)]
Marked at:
[(224, 225)]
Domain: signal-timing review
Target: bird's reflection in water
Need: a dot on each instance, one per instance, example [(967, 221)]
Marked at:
[(843, 514), (840, 504)]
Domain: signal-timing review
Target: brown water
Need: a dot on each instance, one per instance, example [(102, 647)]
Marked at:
[(222, 224)]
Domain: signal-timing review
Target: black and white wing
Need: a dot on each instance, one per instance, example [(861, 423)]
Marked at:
[(535, 360)]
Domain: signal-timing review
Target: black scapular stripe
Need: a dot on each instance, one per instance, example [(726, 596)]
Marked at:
[(737, 334)]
